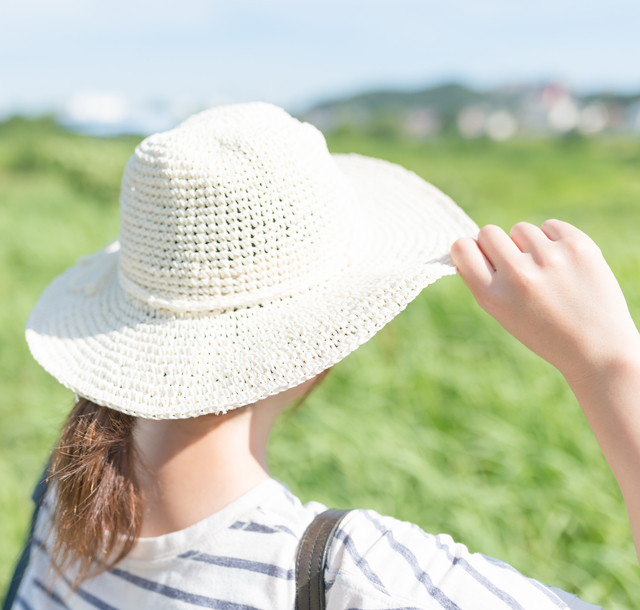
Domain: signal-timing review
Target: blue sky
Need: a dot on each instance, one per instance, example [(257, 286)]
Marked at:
[(295, 53)]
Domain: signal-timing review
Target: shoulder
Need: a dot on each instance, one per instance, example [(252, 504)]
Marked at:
[(377, 560), (284, 511)]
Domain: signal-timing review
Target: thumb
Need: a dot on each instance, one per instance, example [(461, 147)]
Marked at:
[(473, 266)]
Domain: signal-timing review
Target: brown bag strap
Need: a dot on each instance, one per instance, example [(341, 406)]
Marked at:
[(312, 558)]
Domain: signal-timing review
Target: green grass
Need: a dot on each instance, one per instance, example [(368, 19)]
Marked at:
[(442, 419)]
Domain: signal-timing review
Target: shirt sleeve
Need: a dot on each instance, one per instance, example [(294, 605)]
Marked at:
[(381, 563)]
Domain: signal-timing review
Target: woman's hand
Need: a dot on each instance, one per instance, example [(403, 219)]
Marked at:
[(552, 289)]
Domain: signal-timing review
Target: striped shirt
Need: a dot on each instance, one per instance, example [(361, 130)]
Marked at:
[(243, 558)]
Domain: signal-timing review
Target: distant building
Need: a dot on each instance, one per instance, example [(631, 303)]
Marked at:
[(501, 125), (421, 123), (471, 121)]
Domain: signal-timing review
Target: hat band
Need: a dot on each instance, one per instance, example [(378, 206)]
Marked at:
[(232, 300)]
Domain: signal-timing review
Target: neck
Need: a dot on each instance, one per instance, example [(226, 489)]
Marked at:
[(188, 469)]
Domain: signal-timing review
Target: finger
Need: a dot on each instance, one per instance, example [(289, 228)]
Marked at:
[(570, 236), (472, 264), (528, 237), (558, 229), (498, 247)]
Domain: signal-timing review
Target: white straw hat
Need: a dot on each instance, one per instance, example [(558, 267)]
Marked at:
[(249, 260)]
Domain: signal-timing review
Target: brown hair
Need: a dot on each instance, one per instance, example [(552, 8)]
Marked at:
[(98, 507)]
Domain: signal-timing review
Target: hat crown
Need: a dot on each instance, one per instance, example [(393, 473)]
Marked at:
[(236, 206)]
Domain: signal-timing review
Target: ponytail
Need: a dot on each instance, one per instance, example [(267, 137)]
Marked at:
[(98, 505), (98, 508)]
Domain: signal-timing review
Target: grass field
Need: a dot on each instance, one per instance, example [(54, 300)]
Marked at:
[(441, 419)]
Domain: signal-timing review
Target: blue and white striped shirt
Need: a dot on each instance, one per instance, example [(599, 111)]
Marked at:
[(243, 558)]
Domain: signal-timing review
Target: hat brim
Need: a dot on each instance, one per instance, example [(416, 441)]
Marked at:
[(121, 353)]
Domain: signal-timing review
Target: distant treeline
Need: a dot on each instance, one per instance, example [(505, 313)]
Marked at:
[(500, 113)]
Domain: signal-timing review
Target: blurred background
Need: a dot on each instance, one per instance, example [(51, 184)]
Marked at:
[(518, 111), (491, 67)]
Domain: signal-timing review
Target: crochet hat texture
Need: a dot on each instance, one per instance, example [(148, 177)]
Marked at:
[(249, 260)]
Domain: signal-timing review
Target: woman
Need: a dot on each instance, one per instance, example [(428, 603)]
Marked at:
[(249, 262)]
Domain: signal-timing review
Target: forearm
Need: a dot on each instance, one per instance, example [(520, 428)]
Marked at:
[(552, 289), (610, 399)]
